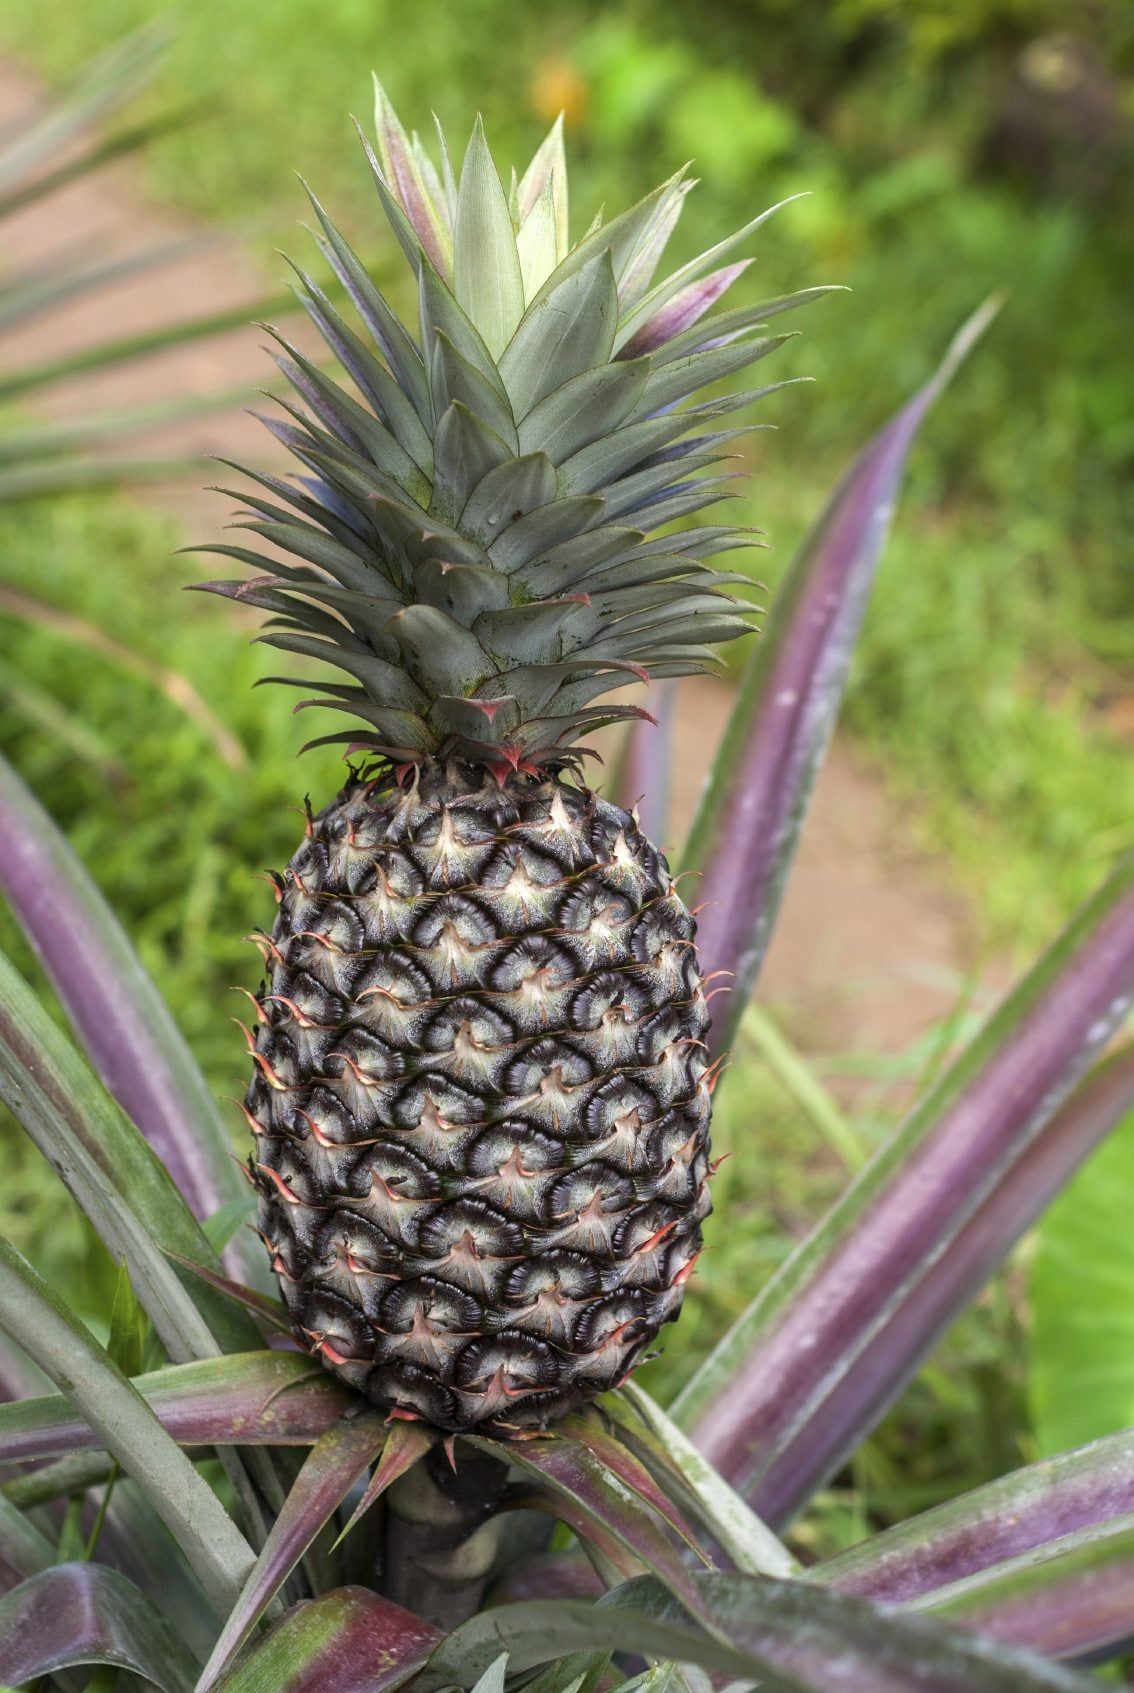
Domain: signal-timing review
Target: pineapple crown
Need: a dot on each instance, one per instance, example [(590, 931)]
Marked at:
[(474, 541)]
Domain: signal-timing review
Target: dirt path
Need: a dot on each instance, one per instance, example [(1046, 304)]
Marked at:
[(871, 947)]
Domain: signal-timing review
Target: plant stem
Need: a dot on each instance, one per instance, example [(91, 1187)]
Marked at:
[(441, 1539)]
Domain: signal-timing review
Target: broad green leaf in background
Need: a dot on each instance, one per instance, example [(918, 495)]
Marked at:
[(1081, 1379)]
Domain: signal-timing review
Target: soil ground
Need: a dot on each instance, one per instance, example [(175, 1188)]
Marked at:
[(873, 944)]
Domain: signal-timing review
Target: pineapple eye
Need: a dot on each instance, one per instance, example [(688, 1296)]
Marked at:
[(603, 994), (534, 963)]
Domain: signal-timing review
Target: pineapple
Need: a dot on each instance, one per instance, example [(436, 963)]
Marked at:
[(480, 1093)]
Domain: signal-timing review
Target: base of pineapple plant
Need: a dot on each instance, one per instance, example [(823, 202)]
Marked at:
[(442, 1538)]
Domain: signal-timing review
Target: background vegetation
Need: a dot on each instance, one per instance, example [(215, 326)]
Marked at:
[(949, 148)]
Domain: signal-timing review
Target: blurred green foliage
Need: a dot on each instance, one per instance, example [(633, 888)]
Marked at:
[(1081, 1382)]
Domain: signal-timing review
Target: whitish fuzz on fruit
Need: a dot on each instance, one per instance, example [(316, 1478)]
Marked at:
[(480, 1091)]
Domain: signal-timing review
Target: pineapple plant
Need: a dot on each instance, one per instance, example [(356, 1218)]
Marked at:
[(200, 1505), (480, 1092)]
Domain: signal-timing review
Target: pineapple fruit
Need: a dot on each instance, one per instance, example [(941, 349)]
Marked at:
[(480, 1092)]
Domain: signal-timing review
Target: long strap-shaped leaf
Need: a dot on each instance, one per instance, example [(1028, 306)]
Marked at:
[(641, 775), (140, 345), (591, 1493), (406, 1444), (120, 1017), (24, 1548), (87, 1614), (678, 1465), (59, 1480), (616, 1457), (244, 1399), (350, 1640), (335, 1463), (744, 835), (762, 1407), (926, 1309), (119, 1183), (787, 1636), (100, 88), (1014, 1515), (1072, 1600), (37, 1319)]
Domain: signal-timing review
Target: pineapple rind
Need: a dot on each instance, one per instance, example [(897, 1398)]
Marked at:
[(480, 1095)]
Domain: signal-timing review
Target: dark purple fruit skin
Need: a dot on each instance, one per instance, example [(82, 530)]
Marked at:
[(481, 1095)]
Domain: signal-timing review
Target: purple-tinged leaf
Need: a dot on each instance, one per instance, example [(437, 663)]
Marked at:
[(762, 1407), (606, 1552), (271, 1312), (135, 1542), (744, 835), (586, 1428), (335, 1463), (552, 1575), (246, 1398), (348, 1641), (895, 1349), (1016, 1514), (87, 1614), (1070, 1600), (642, 773), (859, 1645), (649, 304), (585, 1485), (422, 201), (116, 1178), (125, 1425), (787, 1636), (646, 255), (675, 1462), (683, 310), (18, 1378), (117, 1012), (406, 1443), (24, 1548)]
